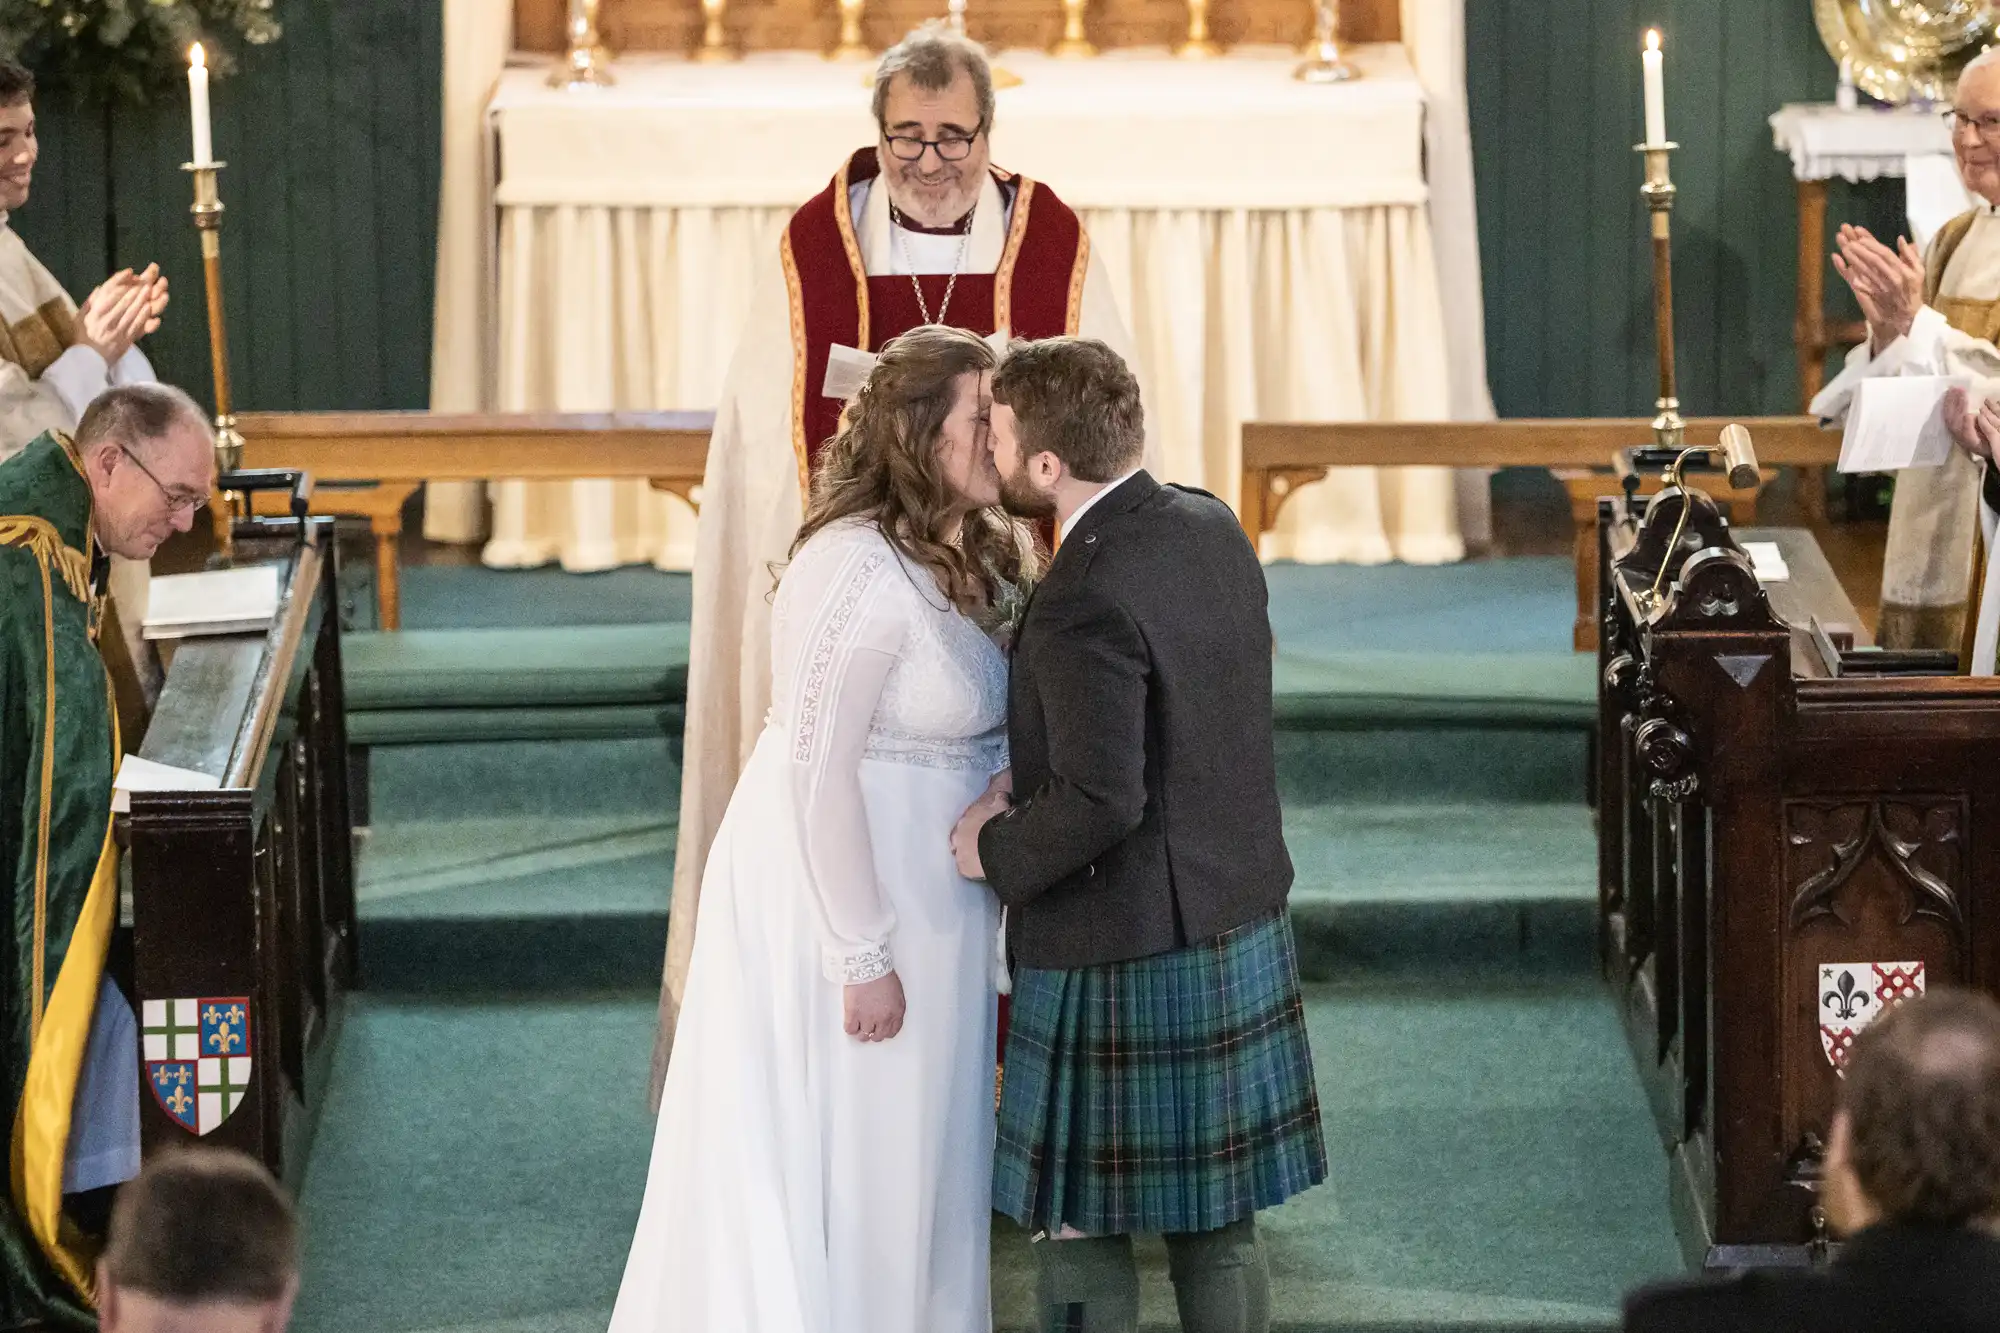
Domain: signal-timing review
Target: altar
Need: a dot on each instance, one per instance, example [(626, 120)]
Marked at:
[(1270, 243)]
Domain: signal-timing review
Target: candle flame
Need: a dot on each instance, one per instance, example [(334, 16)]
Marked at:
[(197, 57), (1652, 39)]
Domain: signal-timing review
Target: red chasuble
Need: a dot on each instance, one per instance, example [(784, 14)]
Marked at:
[(1037, 292)]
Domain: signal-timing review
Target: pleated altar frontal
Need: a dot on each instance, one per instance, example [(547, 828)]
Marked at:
[(1268, 240)]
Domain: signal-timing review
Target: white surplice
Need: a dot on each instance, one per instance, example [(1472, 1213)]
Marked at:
[(803, 1181), (1930, 525)]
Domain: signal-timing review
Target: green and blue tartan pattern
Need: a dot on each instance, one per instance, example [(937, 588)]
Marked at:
[(1170, 1093)]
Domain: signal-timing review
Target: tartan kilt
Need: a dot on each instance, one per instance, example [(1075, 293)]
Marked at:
[(1170, 1093)]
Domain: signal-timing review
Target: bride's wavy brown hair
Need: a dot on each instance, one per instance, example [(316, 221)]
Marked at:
[(885, 466)]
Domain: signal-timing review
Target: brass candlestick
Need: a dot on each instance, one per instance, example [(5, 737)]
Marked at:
[(207, 211), (1198, 46), (851, 46), (587, 63), (1075, 43), (714, 42), (1658, 192), (1323, 63)]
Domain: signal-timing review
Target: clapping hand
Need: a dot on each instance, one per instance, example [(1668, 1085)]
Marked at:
[(125, 308), (1975, 430), (999, 794), (1888, 284)]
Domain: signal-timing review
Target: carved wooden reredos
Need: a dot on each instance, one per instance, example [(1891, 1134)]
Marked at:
[(812, 25)]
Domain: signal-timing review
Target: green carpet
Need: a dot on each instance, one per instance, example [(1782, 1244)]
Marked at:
[(480, 1167), (484, 1143)]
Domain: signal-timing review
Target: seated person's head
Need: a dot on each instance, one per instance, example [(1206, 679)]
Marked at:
[(203, 1241), (148, 453), (1916, 1136), (1066, 412)]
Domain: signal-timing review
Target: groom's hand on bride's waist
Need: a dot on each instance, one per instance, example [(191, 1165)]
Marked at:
[(965, 835)]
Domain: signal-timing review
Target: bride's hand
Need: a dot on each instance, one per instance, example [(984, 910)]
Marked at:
[(874, 1009)]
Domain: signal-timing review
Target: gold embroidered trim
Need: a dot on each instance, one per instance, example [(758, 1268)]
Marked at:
[(1073, 316), (796, 294), (843, 218), (1003, 276), (40, 536)]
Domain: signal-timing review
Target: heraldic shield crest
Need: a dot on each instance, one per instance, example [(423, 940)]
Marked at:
[(1853, 995), (198, 1058)]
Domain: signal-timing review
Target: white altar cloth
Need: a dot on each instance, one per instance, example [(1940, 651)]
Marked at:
[(1269, 243)]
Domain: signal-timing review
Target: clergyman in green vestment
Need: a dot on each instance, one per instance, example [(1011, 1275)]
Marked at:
[(140, 467)]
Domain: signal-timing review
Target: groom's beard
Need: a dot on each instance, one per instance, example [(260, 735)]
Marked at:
[(1019, 497)]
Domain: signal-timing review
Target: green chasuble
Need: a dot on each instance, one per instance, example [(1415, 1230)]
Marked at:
[(58, 870)]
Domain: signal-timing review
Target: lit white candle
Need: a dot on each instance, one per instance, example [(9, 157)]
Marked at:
[(204, 146), (1656, 96)]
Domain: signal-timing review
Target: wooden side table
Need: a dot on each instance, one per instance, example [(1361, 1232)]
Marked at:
[(382, 505)]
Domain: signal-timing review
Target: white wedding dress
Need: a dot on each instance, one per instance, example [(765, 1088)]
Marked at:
[(803, 1181)]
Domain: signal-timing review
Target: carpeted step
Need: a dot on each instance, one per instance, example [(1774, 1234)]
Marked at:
[(1420, 891), (479, 1168)]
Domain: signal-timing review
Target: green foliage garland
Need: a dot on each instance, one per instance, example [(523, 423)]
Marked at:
[(128, 50)]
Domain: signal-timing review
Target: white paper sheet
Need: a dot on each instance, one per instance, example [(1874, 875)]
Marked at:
[(136, 774), (214, 601), (1768, 562), (1897, 421)]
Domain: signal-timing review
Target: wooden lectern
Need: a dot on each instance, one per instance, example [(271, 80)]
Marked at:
[(243, 897), (1792, 836)]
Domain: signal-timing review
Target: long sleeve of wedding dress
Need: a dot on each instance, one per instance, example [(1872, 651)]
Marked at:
[(842, 626)]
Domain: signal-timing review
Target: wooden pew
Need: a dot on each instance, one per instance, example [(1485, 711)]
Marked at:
[(1279, 457), (1771, 819), (243, 921), (398, 451)]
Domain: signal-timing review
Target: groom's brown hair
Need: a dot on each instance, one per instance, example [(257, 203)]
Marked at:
[(1077, 399)]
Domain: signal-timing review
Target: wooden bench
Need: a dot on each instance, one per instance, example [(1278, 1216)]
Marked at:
[(398, 451), (1280, 457)]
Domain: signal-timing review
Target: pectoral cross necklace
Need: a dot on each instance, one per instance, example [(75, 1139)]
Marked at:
[(903, 249)]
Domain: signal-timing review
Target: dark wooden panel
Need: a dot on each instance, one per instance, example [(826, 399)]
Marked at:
[(769, 25), (331, 135)]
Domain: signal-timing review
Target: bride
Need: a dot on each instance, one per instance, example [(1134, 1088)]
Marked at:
[(823, 1159)]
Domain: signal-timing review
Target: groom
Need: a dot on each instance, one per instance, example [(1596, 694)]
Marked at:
[(1157, 1074)]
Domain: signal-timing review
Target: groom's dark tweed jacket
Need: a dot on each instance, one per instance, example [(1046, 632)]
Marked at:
[(1146, 813)]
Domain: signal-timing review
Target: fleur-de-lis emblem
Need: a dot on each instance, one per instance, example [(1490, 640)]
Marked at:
[(1846, 1000), (228, 1023), (179, 1102)]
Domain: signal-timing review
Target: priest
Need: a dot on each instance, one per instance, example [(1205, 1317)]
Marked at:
[(1933, 313), (918, 229), (56, 356), (141, 466)]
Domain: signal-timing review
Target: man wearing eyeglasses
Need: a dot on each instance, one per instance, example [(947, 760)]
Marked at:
[(919, 229), (1937, 312), (140, 467)]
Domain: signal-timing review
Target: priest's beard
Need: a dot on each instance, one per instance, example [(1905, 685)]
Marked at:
[(1020, 497), (933, 198)]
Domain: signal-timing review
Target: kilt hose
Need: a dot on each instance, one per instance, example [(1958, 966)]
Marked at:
[(1166, 1094)]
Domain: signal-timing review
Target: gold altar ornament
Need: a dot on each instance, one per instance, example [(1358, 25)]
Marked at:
[(714, 42), (587, 63), (851, 46), (207, 211), (1906, 50), (1198, 45), (955, 16), (1323, 62), (1075, 43)]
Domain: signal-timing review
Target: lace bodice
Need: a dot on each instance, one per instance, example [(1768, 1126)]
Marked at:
[(870, 662)]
